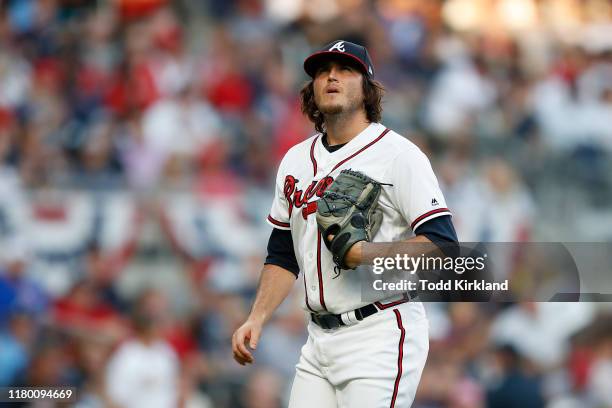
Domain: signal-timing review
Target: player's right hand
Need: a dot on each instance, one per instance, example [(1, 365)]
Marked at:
[(247, 334)]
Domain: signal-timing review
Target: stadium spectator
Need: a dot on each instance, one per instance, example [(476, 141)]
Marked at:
[(144, 370)]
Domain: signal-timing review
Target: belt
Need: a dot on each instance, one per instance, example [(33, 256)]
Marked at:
[(333, 321)]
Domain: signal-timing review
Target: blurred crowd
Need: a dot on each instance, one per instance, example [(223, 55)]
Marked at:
[(139, 141)]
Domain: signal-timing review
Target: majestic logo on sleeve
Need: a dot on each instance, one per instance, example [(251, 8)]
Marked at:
[(300, 198)]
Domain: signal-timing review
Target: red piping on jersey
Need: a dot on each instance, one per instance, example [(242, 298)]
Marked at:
[(314, 165), (400, 356), (360, 150), (312, 158), (319, 273), (427, 214), (278, 223), (383, 306)]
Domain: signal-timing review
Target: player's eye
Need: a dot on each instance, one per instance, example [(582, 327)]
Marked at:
[(322, 69)]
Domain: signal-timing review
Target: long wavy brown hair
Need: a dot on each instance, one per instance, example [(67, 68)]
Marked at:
[(373, 92)]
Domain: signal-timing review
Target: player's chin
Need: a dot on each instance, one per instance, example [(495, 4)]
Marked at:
[(331, 108)]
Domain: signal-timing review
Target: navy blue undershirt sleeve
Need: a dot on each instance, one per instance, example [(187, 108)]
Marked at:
[(280, 251), (441, 232)]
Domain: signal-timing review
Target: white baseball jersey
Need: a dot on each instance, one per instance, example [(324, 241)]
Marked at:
[(308, 169)]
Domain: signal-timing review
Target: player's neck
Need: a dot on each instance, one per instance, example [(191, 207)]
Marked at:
[(342, 128)]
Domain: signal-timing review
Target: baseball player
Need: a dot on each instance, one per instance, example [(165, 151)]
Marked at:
[(353, 189)]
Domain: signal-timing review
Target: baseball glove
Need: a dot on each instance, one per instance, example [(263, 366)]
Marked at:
[(349, 211)]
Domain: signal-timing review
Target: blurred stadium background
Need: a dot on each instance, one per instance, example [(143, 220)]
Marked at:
[(138, 144)]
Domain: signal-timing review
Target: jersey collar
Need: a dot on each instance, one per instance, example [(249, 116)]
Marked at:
[(364, 137), (328, 161)]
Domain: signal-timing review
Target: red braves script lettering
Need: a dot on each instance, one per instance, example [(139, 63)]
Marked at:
[(298, 198)]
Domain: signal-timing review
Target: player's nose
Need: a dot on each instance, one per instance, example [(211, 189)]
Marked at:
[(334, 70), (332, 74)]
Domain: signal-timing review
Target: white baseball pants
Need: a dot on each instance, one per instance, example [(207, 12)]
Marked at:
[(375, 363)]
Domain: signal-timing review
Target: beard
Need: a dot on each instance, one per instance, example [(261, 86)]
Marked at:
[(331, 109), (352, 104)]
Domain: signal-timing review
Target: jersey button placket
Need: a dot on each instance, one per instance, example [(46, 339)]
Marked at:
[(311, 256)]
